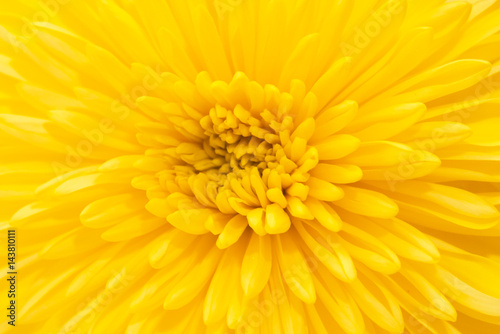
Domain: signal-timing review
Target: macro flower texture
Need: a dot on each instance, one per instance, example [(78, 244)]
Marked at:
[(250, 166)]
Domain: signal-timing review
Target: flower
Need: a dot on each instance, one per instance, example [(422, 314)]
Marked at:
[(270, 166)]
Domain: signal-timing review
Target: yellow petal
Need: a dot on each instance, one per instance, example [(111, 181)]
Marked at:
[(323, 190), (367, 202), (277, 220), (336, 146), (294, 268), (256, 266)]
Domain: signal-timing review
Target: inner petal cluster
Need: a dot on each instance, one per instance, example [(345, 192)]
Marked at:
[(251, 158)]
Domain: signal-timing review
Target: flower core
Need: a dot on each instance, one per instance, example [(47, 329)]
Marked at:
[(248, 157)]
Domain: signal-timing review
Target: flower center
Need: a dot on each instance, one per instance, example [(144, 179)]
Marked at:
[(248, 160), (244, 140), (249, 154)]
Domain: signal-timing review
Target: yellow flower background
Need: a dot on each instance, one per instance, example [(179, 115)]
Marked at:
[(251, 166)]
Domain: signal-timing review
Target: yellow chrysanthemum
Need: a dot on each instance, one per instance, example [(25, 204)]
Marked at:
[(250, 166)]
